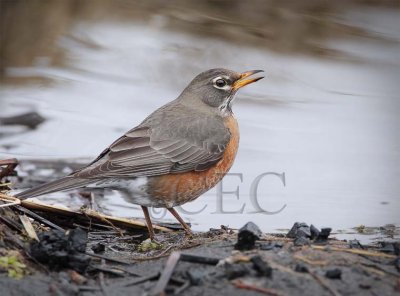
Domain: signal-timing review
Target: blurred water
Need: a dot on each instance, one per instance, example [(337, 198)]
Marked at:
[(332, 126)]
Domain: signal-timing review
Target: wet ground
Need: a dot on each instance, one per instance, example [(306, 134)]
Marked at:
[(329, 123), (97, 258)]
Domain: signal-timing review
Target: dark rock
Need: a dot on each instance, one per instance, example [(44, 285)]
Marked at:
[(334, 274), (314, 232), (195, 276), (301, 267), (236, 270), (323, 235), (299, 229), (390, 247), (62, 250), (301, 241), (262, 267), (247, 236)]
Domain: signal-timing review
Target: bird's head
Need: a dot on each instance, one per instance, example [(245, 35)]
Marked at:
[(215, 89)]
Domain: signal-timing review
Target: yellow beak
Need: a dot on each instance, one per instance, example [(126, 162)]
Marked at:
[(242, 81)]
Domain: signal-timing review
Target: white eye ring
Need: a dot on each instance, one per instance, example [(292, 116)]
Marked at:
[(221, 83)]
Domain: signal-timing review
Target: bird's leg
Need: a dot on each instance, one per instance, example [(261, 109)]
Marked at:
[(148, 222), (176, 215)]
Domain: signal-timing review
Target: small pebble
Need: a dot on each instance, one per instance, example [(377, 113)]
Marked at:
[(236, 270), (98, 248), (365, 286), (300, 267), (334, 274), (262, 267)]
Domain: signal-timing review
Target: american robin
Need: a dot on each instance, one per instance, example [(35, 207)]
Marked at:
[(180, 151)]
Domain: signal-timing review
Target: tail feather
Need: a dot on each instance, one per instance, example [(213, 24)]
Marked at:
[(65, 183)]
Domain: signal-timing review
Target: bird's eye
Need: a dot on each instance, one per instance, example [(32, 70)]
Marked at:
[(220, 82)]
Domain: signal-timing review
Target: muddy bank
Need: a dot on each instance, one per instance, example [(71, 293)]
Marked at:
[(102, 259)]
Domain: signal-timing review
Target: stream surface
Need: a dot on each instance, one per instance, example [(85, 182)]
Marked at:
[(330, 125)]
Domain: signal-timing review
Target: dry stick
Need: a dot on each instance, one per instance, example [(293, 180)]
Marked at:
[(162, 283), (136, 281), (122, 222), (39, 218), (378, 268), (10, 223), (103, 219), (240, 285), (101, 279), (164, 253), (199, 259), (311, 262), (107, 258), (10, 204), (355, 251), (108, 270)]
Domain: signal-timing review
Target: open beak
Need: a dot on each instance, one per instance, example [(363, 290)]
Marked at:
[(242, 81)]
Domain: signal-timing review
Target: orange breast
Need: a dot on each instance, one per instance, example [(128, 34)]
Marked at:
[(177, 189)]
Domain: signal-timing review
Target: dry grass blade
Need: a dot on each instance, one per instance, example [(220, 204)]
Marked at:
[(28, 227), (266, 291), (355, 251)]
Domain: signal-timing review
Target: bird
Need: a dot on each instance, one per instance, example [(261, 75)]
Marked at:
[(173, 156)]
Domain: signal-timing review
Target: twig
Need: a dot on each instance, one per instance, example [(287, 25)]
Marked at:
[(136, 281), (311, 262), (101, 280), (241, 285), (107, 258), (164, 253), (101, 218), (10, 204), (380, 269), (199, 259), (355, 251), (39, 218), (88, 288), (162, 283), (113, 271), (117, 221), (10, 223)]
